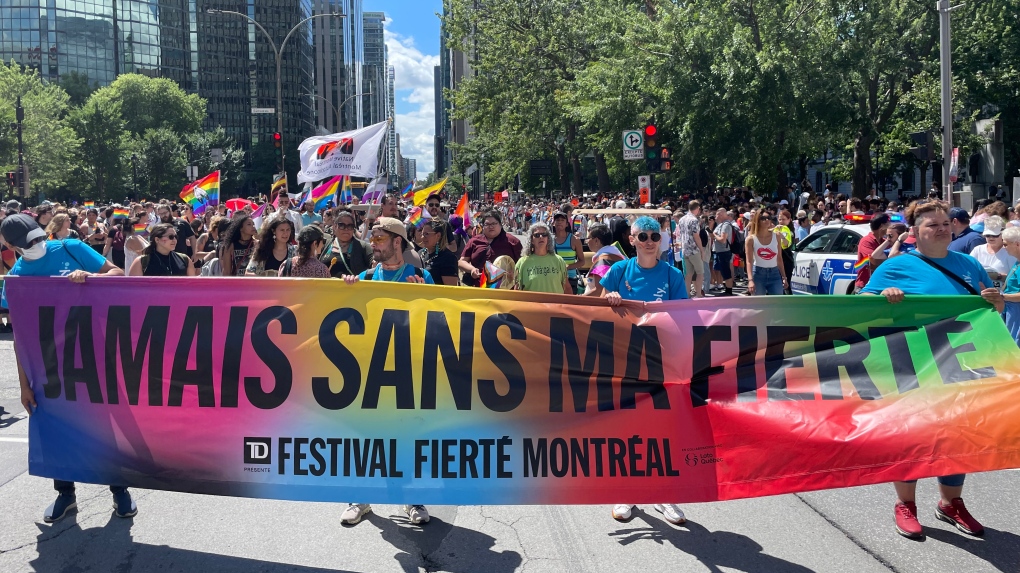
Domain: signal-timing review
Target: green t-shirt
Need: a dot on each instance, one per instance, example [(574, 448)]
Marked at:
[(544, 273)]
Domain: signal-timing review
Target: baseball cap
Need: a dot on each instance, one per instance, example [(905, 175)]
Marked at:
[(391, 225), (993, 228), (13, 205), (802, 214), (21, 230), (959, 214), (784, 202)]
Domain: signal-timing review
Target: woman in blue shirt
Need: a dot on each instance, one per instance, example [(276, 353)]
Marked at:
[(933, 269)]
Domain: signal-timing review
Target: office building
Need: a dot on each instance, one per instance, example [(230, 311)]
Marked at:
[(339, 57), (375, 76), (221, 57), (392, 165)]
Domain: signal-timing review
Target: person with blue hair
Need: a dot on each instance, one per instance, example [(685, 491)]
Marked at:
[(645, 278)]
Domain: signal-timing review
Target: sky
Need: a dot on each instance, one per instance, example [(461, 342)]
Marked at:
[(412, 37)]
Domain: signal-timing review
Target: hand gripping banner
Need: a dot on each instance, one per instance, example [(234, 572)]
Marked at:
[(391, 393)]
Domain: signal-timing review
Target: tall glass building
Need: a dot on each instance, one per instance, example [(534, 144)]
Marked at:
[(338, 57), (374, 78), (222, 58)]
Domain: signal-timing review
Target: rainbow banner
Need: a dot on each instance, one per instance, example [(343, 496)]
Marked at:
[(207, 189), (400, 393)]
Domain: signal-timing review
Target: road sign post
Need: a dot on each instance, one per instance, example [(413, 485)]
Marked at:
[(633, 145)]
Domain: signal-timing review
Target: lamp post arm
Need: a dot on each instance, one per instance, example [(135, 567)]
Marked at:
[(276, 52)]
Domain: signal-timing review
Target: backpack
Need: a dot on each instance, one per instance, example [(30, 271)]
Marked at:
[(736, 240)]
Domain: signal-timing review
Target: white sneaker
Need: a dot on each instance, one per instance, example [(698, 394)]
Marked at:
[(417, 514), (671, 512), (621, 512), (354, 513)]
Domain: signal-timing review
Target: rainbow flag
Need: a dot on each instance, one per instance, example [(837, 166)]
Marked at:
[(208, 188), (463, 210), (408, 192), (119, 212), (346, 196), (418, 216), (90, 204), (324, 194), (862, 263), (188, 194), (141, 229), (492, 276)]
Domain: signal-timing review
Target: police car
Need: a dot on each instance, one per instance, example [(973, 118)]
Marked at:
[(824, 260)]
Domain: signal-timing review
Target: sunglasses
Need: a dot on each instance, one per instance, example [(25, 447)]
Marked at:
[(540, 236), (379, 238), (655, 237), (346, 226), (433, 205), (169, 237)]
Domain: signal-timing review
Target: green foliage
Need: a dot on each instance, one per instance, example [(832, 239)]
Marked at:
[(105, 149), (744, 91), (162, 162), (154, 103), (50, 144), (78, 87)]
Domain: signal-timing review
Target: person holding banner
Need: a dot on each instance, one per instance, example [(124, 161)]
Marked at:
[(933, 269), (541, 269), (645, 278), (389, 240), (75, 260)]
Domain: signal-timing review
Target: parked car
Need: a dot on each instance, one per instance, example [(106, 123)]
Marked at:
[(824, 260)]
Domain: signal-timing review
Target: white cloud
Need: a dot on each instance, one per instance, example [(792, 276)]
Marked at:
[(414, 73)]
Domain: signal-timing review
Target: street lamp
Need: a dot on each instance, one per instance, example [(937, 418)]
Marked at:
[(279, 61), (333, 107), (352, 97)]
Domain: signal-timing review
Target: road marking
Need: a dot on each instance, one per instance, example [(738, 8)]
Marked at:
[(17, 440)]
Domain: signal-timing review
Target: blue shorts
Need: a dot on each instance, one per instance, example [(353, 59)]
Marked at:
[(724, 264)]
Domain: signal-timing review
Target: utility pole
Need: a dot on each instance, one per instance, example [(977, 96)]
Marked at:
[(22, 179), (946, 66)]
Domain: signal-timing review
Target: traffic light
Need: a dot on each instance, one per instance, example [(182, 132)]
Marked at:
[(652, 149), (924, 146), (665, 159), (12, 179), (278, 149)]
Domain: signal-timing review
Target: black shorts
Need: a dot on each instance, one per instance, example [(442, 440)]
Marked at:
[(724, 264)]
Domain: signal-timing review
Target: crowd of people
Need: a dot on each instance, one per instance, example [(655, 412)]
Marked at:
[(695, 246)]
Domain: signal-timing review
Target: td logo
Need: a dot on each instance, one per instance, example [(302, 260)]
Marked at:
[(256, 451)]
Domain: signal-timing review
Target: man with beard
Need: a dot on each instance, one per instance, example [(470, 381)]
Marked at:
[(389, 239), (185, 234)]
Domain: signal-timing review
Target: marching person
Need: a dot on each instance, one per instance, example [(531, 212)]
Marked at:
[(933, 269), (766, 274), (160, 258), (77, 261), (492, 242), (237, 246), (273, 249), (568, 247), (305, 264), (346, 254), (541, 269), (389, 240), (649, 279), (436, 258)]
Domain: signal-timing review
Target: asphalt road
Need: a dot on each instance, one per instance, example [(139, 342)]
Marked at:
[(839, 530)]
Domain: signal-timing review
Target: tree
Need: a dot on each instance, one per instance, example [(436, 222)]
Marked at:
[(161, 162), (78, 88), (50, 144), (154, 103), (198, 148), (104, 150)]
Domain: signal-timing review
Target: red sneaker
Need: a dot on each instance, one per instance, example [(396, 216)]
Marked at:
[(957, 514), (907, 524)]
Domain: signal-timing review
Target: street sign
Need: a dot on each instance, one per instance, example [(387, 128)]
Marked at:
[(644, 189), (633, 145), (261, 110)]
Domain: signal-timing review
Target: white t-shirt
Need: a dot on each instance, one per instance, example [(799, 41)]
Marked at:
[(1000, 262)]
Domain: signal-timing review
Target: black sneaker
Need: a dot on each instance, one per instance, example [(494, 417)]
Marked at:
[(60, 507), (123, 505)]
